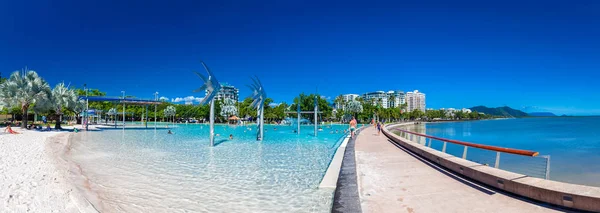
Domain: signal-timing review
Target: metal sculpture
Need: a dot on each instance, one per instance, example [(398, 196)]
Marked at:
[(258, 95), (212, 87)]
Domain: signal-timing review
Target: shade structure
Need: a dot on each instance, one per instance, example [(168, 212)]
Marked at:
[(130, 101)]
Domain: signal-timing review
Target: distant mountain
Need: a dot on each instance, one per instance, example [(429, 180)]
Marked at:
[(500, 111), (542, 114)]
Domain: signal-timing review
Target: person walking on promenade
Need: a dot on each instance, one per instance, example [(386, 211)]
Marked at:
[(378, 128), (353, 124)]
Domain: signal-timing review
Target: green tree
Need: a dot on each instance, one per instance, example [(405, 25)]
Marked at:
[(170, 112), (62, 98), (25, 90)]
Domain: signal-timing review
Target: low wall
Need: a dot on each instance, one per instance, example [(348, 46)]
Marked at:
[(574, 196)]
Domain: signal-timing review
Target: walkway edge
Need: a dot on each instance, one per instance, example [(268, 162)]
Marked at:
[(568, 195)]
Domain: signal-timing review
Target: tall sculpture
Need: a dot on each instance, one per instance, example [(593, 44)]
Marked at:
[(212, 87), (258, 95)]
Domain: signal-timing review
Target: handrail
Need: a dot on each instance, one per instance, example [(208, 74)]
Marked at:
[(481, 146)]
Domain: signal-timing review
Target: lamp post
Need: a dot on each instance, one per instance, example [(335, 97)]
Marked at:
[(155, 99), (123, 109), (87, 107)]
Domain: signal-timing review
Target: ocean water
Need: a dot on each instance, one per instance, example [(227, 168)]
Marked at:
[(573, 144), (152, 171)]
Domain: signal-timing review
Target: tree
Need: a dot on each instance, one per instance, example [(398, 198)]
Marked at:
[(354, 107), (62, 98), (228, 108), (170, 111), (112, 112), (24, 90), (307, 103)]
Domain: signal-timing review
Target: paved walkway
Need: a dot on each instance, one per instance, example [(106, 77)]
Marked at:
[(392, 180)]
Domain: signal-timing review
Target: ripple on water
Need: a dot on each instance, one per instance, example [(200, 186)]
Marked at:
[(149, 171)]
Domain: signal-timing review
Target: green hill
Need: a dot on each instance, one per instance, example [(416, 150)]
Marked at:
[(500, 111)]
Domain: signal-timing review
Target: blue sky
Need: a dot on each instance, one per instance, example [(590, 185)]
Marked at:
[(535, 55)]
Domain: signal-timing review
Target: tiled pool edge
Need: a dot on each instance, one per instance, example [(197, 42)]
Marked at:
[(331, 175), (346, 197)]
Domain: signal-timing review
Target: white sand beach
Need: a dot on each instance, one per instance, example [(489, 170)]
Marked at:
[(33, 178)]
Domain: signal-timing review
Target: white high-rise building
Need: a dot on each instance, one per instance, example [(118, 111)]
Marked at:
[(415, 100), (377, 98), (345, 98), (390, 99), (396, 98), (349, 97), (227, 91)]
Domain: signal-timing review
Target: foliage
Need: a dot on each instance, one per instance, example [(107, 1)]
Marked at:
[(307, 103), (228, 108), (354, 107), (112, 111), (24, 90), (170, 111)]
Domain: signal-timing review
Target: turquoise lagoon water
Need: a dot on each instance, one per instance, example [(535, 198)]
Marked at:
[(573, 144), (151, 171)]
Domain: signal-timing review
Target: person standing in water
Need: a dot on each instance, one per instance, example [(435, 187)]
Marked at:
[(352, 127)]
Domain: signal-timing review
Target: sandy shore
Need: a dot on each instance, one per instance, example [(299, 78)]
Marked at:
[(33, 176)]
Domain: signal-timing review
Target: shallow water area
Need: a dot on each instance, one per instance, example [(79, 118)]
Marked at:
[(152, 171)]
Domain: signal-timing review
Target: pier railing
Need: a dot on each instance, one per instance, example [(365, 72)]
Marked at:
[(516, 160)]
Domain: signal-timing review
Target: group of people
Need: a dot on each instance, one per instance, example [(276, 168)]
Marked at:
[(9, 129)]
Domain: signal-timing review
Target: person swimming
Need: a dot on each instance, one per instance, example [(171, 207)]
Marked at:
[(170, 133), (231, 137)]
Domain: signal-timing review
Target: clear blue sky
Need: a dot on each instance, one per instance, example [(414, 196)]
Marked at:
[(542, 55)]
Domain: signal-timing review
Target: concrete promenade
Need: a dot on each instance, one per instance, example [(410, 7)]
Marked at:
[(391, 179)]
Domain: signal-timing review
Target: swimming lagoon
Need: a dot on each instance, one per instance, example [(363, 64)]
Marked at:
[(149, 170)]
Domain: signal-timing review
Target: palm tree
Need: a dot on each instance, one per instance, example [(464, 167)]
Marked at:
[(170, 111), (24, 90), (62, 98), (112, 112), (354, 107)]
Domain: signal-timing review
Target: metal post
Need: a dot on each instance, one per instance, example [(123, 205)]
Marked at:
[(87, 108), (298, 111), (444, 147), (547, 167), (212, 122), (262, 120), (429, 142), (497, 160), (155, 99), (316, 110), (146, 116), (465, 153), (123, 109)]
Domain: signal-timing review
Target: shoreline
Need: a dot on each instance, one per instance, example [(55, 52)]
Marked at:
[(35, 177), (83, 196)]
